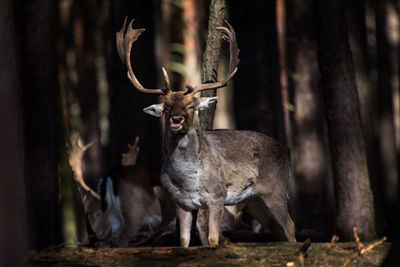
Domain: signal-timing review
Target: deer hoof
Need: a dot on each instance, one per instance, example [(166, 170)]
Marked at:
[(213, 241), (184, 242)]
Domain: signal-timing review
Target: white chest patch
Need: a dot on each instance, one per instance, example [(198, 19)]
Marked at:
[(192, 202), (234, 197)]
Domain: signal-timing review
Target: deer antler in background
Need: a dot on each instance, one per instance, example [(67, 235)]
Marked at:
[(130, 158), (75, 157)]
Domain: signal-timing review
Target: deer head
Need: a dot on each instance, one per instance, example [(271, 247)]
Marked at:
[(99, 213), (97, 227), (179, 107)]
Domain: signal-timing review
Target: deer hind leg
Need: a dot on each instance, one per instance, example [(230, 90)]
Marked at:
[(228, 222), (202, 226), (273, 214), (168, 212)]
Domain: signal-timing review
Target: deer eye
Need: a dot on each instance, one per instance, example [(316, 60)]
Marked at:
[(98, 214)]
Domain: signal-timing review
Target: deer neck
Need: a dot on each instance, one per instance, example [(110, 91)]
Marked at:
[(184, 146)]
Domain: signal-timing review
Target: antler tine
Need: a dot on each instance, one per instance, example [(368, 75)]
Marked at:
[(233, 62), (167, 82), (120, 41), (233, 47), (124, 42), (75, 161), (129, 158)]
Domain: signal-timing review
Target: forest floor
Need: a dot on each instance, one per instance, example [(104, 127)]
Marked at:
[(228, 254)]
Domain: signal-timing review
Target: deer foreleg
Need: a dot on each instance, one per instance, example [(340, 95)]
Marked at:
[(214, 223), (185, 222)]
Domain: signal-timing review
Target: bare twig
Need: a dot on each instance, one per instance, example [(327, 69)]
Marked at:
[(303, 251), (360, 249), (357, 239), (334, 239)]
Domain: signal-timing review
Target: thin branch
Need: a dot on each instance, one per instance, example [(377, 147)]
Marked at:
[(303, 251), (334, 239), (360, 249)]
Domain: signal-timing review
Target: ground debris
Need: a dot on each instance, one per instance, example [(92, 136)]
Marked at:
[(240, 254)]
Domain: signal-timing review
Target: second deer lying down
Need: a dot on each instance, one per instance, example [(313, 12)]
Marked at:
[(210, 169), (129, 197)]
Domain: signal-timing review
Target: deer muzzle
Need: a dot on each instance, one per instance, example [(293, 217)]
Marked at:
[(176, 123)]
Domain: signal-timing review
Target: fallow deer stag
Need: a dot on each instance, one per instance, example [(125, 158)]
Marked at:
[(210, 169)]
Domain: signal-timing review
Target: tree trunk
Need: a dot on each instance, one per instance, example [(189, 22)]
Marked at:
[(84, 27), (193, 20), (71, 203), (387, 31), (41, 122), (211, 59), (356, 18), (283, 67), (12, 191), (311, 158), (353, 193), (127, 119), (258, 99)]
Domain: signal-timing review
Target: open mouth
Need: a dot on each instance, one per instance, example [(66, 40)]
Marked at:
[(176, 123), (176, 127)]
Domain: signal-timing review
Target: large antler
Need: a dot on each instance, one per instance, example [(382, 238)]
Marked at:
[(230, 35), (124, 47), (75, 161)]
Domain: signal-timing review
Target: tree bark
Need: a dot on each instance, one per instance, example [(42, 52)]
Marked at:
[(12, 191), (353, 193), (84, 27), (366, 88), (41, 122), (387, 31), (193, 19), (211, 59), (311, 152)]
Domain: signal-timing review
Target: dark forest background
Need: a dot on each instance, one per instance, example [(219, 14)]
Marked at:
[(321, 76)]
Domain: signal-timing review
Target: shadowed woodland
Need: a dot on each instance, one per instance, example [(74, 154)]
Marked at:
[(320, 76)]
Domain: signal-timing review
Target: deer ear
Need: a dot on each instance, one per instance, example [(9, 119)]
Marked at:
[(206, 101), (155, 110)]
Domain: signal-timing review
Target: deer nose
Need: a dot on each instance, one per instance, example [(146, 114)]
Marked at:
[(177, 119)]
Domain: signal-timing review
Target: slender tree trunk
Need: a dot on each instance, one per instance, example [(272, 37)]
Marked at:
[(258, 99), (314, 188), (84, 27), (192, 19), (176, 45), (70, 202), (211, 58), (41, 114), (356, 18), (12, 188), (353, 193), (163, 38), (281, 32), (387, 32)]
